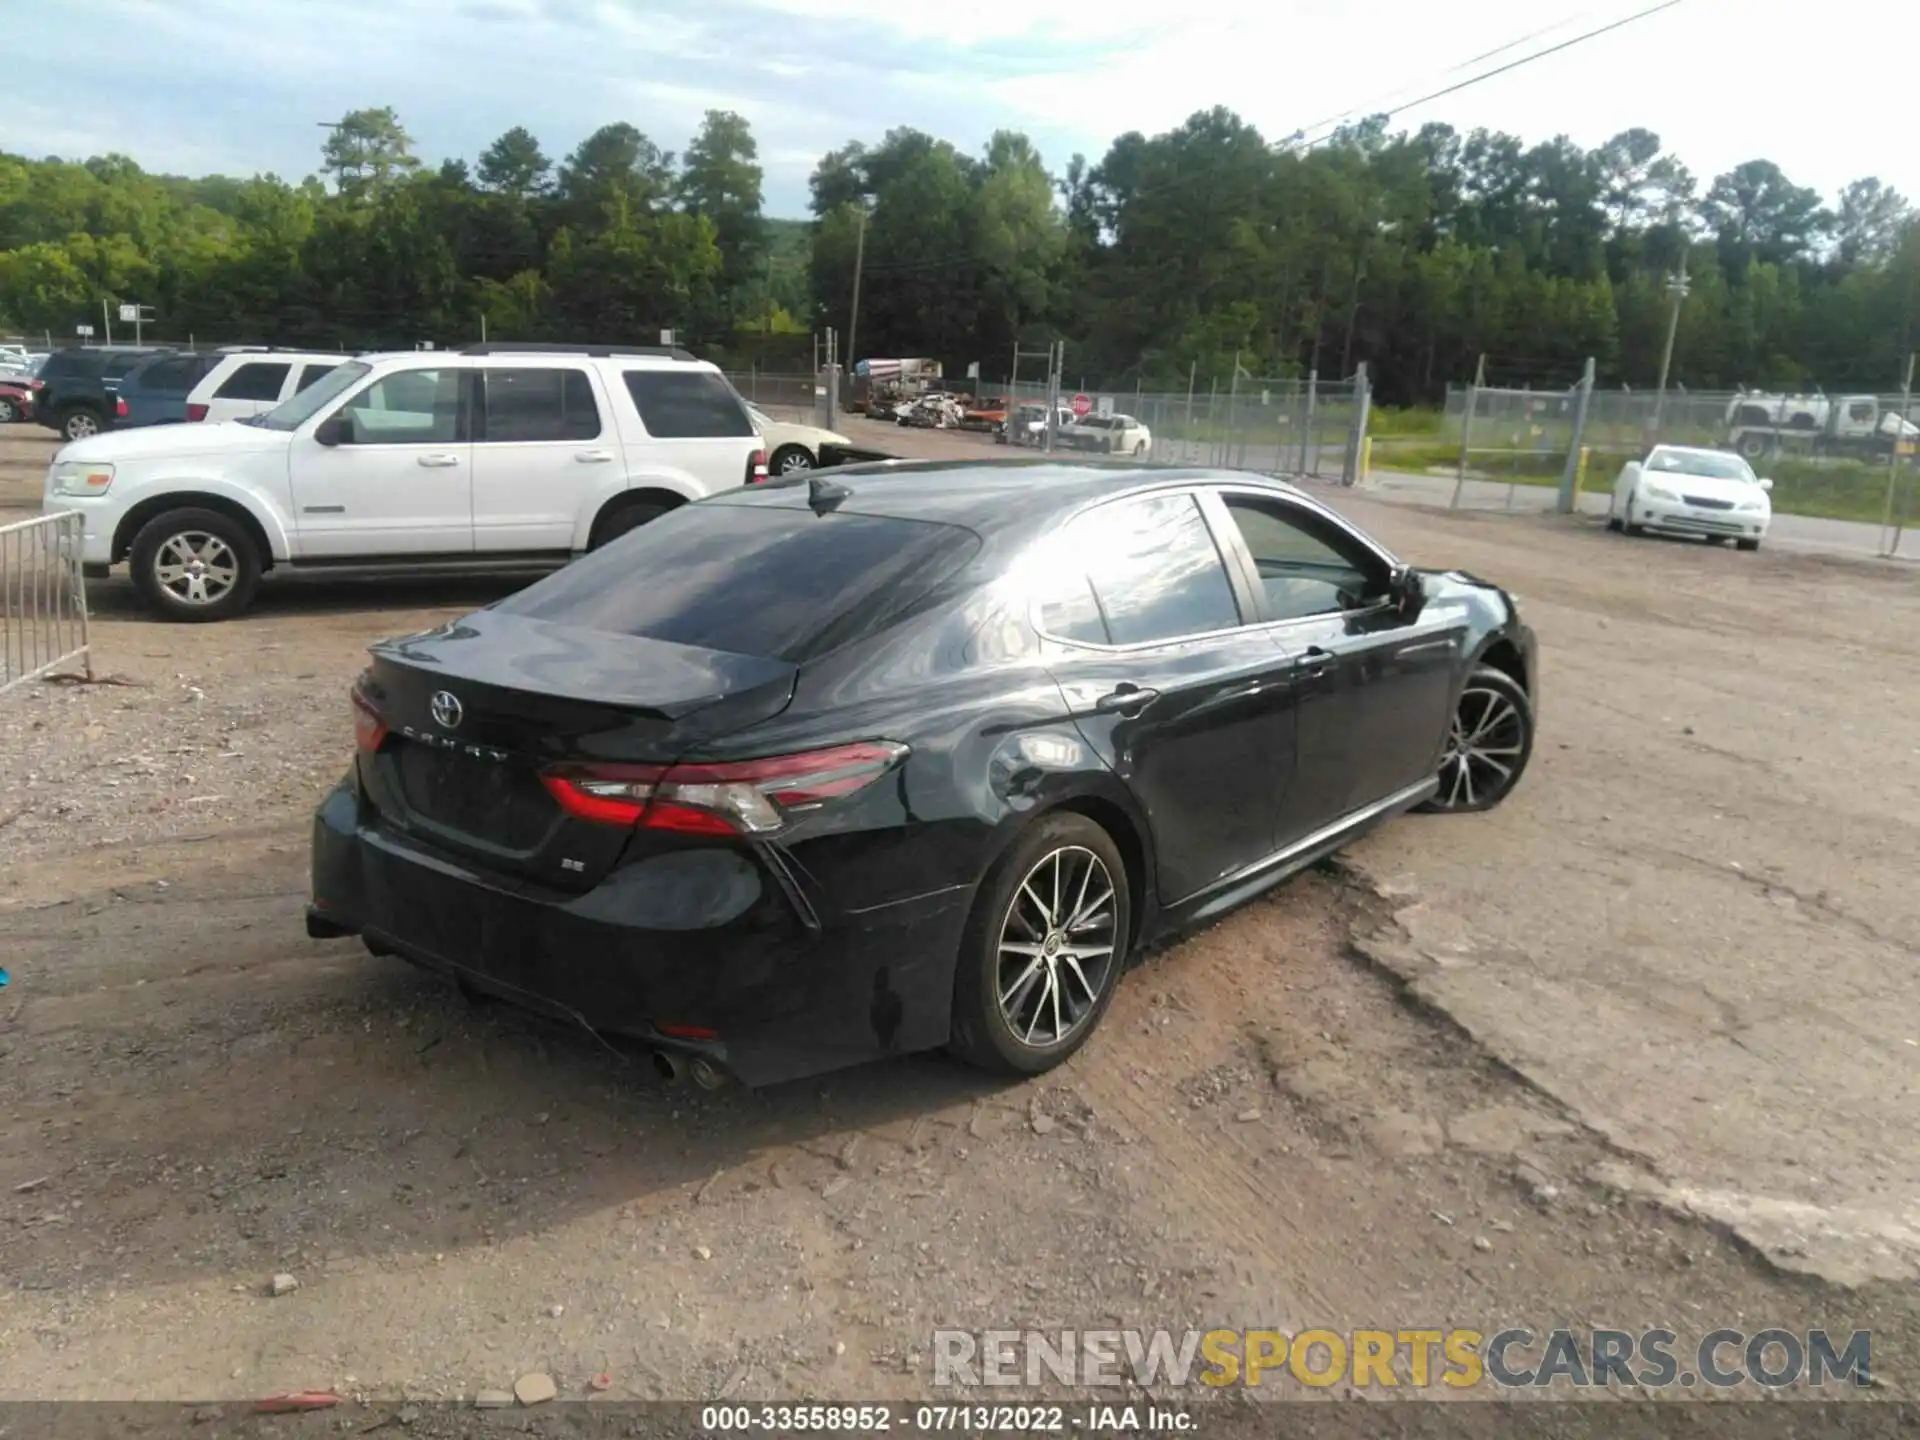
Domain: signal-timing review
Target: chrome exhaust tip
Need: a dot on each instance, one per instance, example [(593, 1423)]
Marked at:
[(707, 1075), (668, 1064)]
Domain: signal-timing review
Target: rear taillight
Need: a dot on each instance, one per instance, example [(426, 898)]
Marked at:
[(119, 408), (369, 730), (756, 467), (196, 412), (38, 384), (744, 797)]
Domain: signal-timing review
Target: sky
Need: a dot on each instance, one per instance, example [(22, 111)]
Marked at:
[(241, 86)]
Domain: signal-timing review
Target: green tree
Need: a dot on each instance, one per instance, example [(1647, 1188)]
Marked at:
[(367, 153), (514, 166)]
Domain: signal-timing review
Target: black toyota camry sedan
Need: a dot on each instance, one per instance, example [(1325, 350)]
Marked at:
[(914, 756)]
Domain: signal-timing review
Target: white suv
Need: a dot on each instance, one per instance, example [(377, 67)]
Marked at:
[(251, 381), (492, 458)]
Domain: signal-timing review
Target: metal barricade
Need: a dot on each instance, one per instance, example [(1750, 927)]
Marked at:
[(43, 599)]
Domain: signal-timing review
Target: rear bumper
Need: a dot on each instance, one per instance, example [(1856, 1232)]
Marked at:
[(699, 938)]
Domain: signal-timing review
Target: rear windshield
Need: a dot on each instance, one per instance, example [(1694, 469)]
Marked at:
[(777, 583)]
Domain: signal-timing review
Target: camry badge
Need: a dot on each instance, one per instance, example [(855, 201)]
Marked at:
[(446, 709)]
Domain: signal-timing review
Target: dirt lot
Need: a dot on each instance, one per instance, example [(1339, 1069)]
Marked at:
[(1638, 1049)]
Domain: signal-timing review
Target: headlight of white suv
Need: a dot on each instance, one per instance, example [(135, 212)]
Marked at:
[(1756, 502), (1658, 492), (82, 477)]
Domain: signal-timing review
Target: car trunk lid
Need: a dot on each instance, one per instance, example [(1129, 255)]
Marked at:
[(477, 710)]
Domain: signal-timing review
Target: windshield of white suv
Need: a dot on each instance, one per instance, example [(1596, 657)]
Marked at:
[(315, 398), (1709, 464)]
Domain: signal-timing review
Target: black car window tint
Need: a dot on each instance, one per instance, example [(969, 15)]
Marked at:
[(687, 405), (1305, 568), (256, 380), (1154, 569)]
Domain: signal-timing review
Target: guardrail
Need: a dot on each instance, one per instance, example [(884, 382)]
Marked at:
[(43, 599)]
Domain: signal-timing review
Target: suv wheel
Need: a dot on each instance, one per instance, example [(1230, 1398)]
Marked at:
[(81, 423), (791, 460), (195, 565), (619, 520), (9, 412)]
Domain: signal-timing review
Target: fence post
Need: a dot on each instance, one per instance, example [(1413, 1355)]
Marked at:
[(1893, 465), (1569, 477), (1466, 429), (1233, 414), (1352, 464), (1309, 459)]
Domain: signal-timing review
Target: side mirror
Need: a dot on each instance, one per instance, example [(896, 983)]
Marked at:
[(336, 429), (1766, 484), (1406, 591)]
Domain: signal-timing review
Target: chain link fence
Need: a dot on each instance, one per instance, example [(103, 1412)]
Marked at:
[(43, 599), (1288, 426), (791, 398), (1846, 457)]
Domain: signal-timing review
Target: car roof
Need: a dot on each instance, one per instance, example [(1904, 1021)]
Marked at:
[(995, 498)]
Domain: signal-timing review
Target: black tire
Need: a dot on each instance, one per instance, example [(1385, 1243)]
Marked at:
[(9, 412), (81, 422), (1754, 447), (1139, 448), (1493, 725), (983, 1034), (617, 519), (1746, 544), (791, 460), (1628, 525), (1613, 523), (163, 556)]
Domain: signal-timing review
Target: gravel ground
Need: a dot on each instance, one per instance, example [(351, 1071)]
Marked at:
[(1403, 1090)]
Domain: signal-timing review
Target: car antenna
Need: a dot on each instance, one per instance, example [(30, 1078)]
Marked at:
[(824, 496)]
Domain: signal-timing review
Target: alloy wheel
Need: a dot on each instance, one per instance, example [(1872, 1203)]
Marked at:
[(1056, 946), (81, 426), (196, 568), (7, 413), (1484, 746), (794, 462)]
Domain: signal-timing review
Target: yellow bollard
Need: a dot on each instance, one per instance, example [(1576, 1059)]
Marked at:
[(1366, 458), (1580, 474)]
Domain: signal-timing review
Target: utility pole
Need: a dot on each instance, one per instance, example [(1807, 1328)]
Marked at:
[(1677, 288), (1900, 443), (106, 319), (859, 264)]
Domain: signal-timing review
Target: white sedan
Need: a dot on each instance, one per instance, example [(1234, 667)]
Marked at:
[(793, 448), (1711, 493)]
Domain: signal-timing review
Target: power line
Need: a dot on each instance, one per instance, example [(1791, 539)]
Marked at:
[(1458, 86), (1373, 107)]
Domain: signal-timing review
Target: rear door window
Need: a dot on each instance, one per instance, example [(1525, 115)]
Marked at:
[(687, 405), (539, 404), (777, 582), (1155, 574), (256, 380), (312, 374), (175, 375)]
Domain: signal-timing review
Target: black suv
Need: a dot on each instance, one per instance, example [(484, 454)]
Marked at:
[(79, 394)]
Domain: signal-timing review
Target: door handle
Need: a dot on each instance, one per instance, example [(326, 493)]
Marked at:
[(1315, 662), (438, 460), (1126, 698), (593, 457)]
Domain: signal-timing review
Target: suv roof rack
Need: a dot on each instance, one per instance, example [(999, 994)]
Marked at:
[(671, 352)]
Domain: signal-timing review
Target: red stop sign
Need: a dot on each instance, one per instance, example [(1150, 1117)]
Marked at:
[(1082, 405)]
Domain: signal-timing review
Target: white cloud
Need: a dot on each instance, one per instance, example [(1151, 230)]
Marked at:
[(238, 85)]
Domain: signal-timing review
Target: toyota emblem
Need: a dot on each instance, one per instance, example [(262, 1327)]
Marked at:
[(446, 709)]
